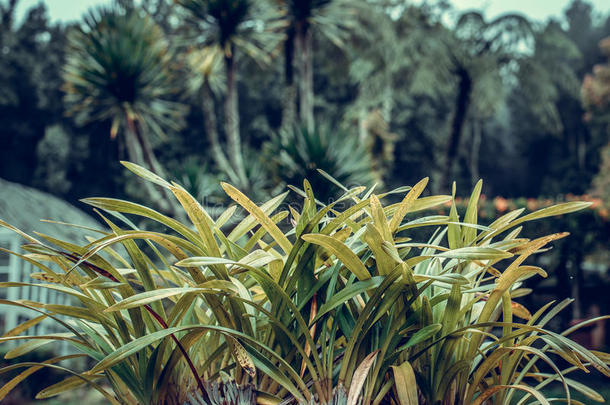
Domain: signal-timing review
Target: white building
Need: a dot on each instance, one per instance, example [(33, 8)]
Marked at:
[(23, 208)]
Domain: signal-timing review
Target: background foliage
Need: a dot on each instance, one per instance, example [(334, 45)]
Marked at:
[(376, 91)]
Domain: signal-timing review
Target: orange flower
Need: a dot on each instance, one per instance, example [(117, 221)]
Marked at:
[(501, 204), (532, 204)]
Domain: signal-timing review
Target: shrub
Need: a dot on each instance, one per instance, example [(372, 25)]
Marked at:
[(586, 248), (299, 154), (330, 304)]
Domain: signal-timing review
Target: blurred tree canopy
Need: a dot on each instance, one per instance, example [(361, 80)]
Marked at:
[(420, 93), (262, 93), (596, 100)]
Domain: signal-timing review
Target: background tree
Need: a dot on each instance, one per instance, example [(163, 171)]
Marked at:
[(32, 55), (546, 125), (117, 71), (478, 51), (206, 66), (373, 68), (596, 100), (391, 81), (331, 19), (539, 124), (227, 26)]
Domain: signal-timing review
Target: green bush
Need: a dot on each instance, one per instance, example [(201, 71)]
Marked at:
[(299, 154), (27, 392), (334, 303), (586, 248)]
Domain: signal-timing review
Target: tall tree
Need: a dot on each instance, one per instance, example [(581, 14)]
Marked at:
[(388, 58), (332, 19), (117, 70), (32, 50), (478, 52), (227, 27), (546, 108), (206, 81)]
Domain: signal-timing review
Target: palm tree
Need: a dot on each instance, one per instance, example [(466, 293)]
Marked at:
[(117, 71), (332, 18), (478, 51), (228, 27)]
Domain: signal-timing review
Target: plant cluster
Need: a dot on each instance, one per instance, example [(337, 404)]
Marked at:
[(334, 303)]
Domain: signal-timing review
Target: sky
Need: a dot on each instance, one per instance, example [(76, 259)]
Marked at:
[(535, 9), (69, 10)]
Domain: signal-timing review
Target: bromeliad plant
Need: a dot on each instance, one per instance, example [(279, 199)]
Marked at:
[(334, 303)]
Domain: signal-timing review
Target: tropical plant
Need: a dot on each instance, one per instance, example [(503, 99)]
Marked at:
[(117, 71), (340, 307), (226, 29), (301, 154), (223, 393), (203, 183)]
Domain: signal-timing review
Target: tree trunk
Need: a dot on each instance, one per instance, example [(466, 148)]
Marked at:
[(474, 152), (305, 54), (462, 104), (289, 103), (140, 152), (232, 121), (388, 101), (211, 129), (362, 130)]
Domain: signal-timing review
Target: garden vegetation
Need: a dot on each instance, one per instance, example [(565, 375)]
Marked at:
[(326, 303)]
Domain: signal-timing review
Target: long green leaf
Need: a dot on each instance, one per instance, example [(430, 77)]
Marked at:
[(405, 383), (343, 253), (262, 218), (159, 294)]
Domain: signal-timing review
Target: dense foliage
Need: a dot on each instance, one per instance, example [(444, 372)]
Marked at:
[(405, 65), (341, 304), (264, 94)]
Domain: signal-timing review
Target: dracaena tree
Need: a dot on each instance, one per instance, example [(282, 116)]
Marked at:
[(117, 71), (225, 30)]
